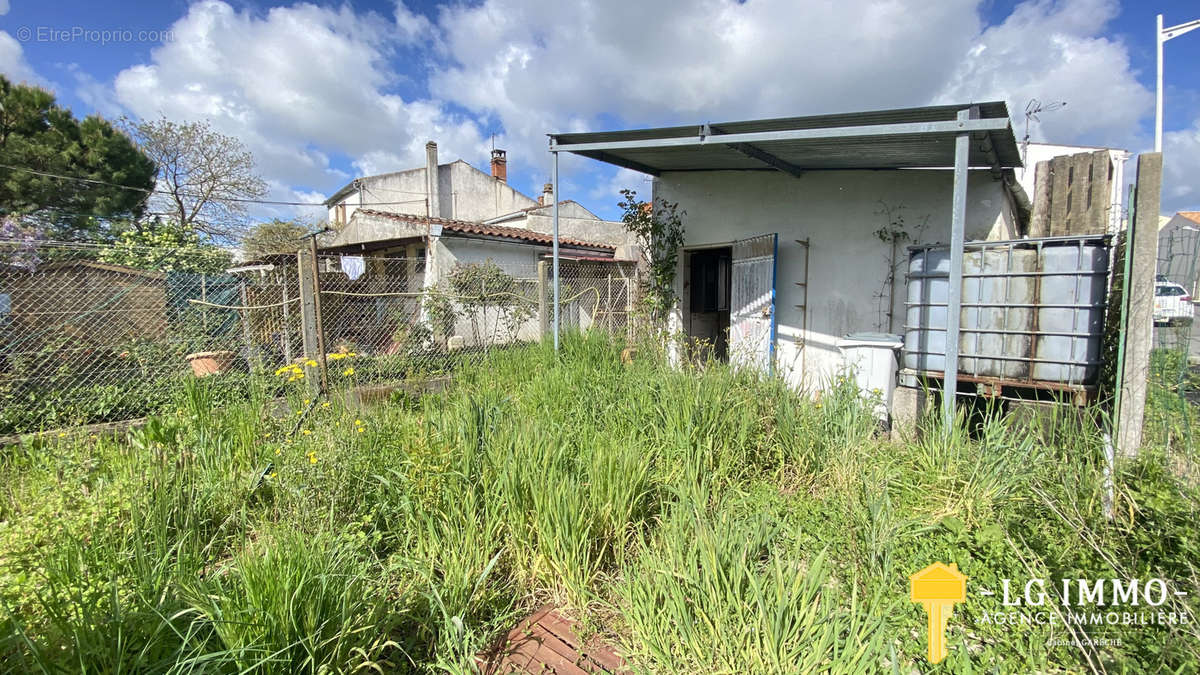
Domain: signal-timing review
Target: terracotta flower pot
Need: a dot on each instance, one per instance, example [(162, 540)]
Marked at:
[(210, 363)]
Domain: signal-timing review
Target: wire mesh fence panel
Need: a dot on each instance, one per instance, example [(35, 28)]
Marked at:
[(88, 334), (86, 338), (402, 317), (597, 295), (1174, 378), (1173, 395)]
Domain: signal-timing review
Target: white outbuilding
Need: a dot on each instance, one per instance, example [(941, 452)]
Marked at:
[(797, 229)]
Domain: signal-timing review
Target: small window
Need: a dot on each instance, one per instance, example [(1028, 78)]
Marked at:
[(341, 214), (419, 266), (1169, 291)]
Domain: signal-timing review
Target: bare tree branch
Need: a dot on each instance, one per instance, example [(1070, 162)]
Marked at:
[(204, 173)]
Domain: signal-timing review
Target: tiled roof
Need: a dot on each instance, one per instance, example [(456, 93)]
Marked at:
[(1193, 216), (468, 227)]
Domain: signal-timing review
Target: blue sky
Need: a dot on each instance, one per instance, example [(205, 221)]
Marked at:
[(322, 92)]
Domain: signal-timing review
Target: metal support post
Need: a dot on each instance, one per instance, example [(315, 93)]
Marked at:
[(958, 216), (554, 182)]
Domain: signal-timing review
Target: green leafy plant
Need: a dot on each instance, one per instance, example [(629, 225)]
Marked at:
[(660, 233)]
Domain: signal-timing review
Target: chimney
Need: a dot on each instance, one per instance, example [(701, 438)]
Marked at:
[(431, 179), (547, 194), (499, 166)]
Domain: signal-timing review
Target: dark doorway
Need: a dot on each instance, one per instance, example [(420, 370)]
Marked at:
[(709, 286)]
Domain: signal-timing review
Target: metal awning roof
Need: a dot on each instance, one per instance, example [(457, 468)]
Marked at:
[(882, 139)]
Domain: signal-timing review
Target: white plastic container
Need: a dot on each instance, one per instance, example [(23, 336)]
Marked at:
[(873, 358)]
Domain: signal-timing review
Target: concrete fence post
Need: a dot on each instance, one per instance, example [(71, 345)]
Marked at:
[(1139, 289), (543, 314), (310, 322)]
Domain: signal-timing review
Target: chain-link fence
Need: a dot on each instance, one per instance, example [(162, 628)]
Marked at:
[(85, 337), (1172, 416), (399, 317)]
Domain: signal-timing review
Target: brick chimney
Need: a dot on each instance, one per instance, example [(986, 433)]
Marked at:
[(499, 166), (547, 194)]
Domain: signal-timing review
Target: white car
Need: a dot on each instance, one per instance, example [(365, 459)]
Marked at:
[(1172, 304)]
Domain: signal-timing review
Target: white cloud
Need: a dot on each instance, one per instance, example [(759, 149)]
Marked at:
[(549, 66), (307, 87), (540, 65), (296, 85), (1181, 169), (1055, 52), (12, 61)]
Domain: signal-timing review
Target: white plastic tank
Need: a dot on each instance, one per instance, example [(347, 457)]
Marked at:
[(873, 359), (1032, 309)]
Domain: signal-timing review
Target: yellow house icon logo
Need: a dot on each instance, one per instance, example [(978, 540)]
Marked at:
[(937, 588)]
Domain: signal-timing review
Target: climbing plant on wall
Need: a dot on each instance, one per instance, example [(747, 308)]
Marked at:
[(659, 231)]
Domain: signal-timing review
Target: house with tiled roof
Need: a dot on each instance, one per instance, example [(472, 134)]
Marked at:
[(415, 229), (1179, 250), (455, 212)]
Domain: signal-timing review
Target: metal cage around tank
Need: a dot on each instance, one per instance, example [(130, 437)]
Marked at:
[(1032, 313)]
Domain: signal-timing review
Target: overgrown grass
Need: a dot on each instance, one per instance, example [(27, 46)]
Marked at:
[(704, 522)]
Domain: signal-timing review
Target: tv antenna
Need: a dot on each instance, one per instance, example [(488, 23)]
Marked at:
[(1032, 109)]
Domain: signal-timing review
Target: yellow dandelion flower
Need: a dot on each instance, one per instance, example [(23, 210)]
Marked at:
[(273, 474), (352, 354), (312, 458), (348, 371), (325, 404), (306, 432), (336, 356), (358, 421), (307, 401), (61, 435), (310, 363), (360, 430), (283, 369), (299, 376), (267, 435), (299, 413)]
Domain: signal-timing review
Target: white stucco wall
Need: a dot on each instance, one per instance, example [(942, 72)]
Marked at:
[(470, 194), (518, 260), (465, 193), (576, 222), (839, 212)]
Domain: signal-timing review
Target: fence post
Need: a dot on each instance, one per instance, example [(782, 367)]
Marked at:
[(252, 357), (483, 302), (286, 333), (314, 341), (608, 313), (543, 315), (1138, 289), (204, 298), (630, 293)]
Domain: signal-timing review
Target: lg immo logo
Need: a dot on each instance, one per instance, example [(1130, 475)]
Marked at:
[(1078, 602), (938, 587)]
